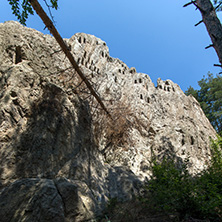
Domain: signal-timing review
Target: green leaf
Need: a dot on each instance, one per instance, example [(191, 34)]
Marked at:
[(210, 98)]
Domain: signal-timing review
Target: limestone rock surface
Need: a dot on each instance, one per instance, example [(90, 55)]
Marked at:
[(55, 165)]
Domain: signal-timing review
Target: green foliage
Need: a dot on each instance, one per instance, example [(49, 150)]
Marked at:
[(208, 187), (22, 10), (54, 4), (210, 98), (172, 190), (216, 150), (218, 5)]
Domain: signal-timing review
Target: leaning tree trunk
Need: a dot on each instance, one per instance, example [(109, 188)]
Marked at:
[(212, 24), (49, 24)]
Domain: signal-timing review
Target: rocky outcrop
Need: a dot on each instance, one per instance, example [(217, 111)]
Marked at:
[(56, 161), (46, 135)]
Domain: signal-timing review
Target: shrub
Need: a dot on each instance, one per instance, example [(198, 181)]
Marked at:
[(208, 189), (172, 190)]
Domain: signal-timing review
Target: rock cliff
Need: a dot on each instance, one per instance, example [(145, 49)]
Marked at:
[(61, 157)]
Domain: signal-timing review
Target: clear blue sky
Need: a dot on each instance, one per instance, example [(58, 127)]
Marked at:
[(155, 37)]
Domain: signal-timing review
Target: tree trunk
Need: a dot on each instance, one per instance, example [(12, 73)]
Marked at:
[(49, 24), (212, 24)]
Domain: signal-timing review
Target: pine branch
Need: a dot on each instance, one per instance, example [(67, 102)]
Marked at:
[(198, 23), (189, 3), (211, 45)]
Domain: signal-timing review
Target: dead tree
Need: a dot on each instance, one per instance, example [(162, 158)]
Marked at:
[(49, 24), (212, 23)]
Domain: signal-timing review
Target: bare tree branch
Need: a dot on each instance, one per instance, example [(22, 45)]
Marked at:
[(49, 24)]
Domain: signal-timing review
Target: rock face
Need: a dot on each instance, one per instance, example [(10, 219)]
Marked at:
[(56, 161)]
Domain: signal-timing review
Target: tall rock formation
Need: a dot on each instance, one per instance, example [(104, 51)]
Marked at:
[(61, 157)]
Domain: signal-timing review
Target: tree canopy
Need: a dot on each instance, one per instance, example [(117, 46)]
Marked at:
[(210, 98), (22, 9)]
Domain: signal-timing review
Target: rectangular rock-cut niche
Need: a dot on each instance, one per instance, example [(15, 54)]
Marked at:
[(18, 54)]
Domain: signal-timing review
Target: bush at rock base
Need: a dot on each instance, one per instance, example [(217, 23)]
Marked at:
[(172, 190), (173, 194)]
